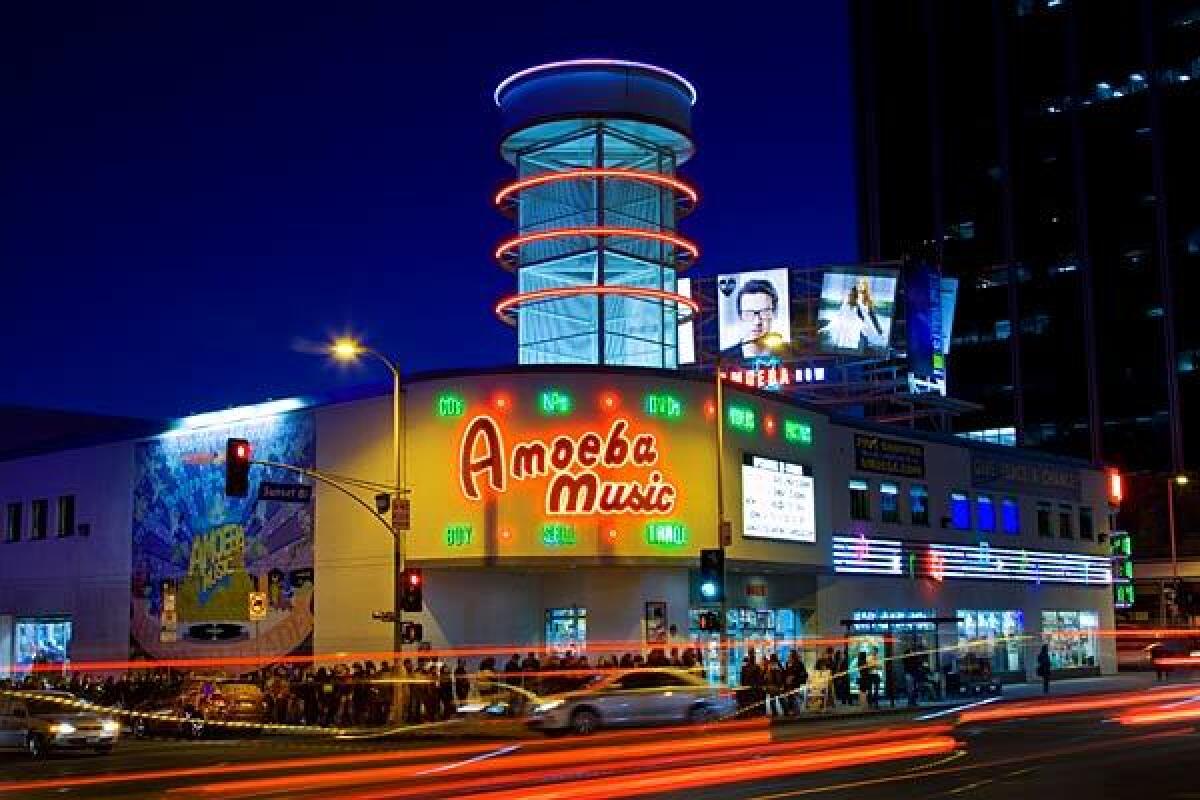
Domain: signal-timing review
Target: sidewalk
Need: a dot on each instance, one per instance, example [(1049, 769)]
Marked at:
[(1124, 681)]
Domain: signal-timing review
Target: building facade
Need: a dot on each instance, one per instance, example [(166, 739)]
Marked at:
[(559, 509)]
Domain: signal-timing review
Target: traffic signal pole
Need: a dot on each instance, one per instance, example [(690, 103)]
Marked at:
[(722, 636)]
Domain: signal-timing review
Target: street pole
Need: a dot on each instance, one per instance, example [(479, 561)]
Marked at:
[(397, 496), (1171, 523), (723, 637)]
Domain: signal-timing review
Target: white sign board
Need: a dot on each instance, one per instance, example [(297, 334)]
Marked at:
[(777, 501)]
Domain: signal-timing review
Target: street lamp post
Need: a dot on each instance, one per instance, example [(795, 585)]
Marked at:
[(347, 350), (771, 340)]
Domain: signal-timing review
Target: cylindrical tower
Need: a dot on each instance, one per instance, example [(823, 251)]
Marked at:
[(596, 144)]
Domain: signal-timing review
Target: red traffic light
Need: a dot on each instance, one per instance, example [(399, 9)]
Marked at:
[(413, 579)]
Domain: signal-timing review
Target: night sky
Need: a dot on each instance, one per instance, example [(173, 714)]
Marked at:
[(188, 188)]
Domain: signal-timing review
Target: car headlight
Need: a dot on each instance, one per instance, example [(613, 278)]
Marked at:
[(62, 728), (110, 726), (549, 705)]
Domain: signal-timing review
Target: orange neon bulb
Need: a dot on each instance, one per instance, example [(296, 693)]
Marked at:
[(500, 401), (655, 178), (710, 409), (508, 248), (608, 400), (506, 534), (512, 302), (1114, 487), (612, 534), (769, 424)]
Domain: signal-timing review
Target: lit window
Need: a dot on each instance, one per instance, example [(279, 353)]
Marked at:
[(960, 511), (985, 512), (860, 499), (66, 515), (918, 504), (889, 502), (12, 523), (38, 518), (1010, 513)]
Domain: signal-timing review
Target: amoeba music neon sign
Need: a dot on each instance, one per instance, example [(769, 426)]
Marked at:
[(615, 472), (859, 555)]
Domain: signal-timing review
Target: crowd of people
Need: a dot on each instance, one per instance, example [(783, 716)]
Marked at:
[(429, 689)]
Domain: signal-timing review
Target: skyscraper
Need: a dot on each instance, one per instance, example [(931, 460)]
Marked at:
[(1044, 152)]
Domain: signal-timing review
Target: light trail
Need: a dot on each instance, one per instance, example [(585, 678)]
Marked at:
[(1160, 716), (676, 780), (564, 763), (1043, 708), (481, 757), (955, 710)]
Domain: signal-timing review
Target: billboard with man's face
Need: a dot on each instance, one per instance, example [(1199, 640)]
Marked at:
[(856, 309), (749, 306)]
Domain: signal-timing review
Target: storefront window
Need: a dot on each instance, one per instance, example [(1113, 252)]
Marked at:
[(872, 627), (918, 504), (1071, 636), (1045, 522), (1086, 526), (41, 640), (860, 499), (989, 642), (566, 630), (960, 511), (765, 630), (1066, 527), (1011, 513), (985, 512), (889, 502)]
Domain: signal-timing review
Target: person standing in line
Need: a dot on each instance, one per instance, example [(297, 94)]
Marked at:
[(838, 667), (1043, 668)]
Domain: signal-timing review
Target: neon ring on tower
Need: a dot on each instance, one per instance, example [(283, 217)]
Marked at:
[(508, 253), (508, 308), (685, 195)]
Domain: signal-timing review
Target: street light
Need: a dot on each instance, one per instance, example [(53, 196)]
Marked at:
[(772, 341), (1180, 479), (347, 349)]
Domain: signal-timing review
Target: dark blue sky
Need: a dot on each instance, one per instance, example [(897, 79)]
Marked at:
[(189, 187)]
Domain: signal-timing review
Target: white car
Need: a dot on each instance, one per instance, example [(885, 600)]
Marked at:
[(45, 721), (633, 697)]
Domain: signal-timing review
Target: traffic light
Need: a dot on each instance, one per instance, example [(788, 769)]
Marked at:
[(712, 575), (237, 467), (410, 590)]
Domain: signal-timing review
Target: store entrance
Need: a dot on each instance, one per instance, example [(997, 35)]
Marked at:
[(765, 631)]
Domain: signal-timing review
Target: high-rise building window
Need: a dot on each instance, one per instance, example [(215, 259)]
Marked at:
[(889, 502), (1066, 524), (1087, 528), (1010, 515), (860, 499), (918, 504), (39, 523), (1045, 519), (12, 523), (960, 511), (985, 514), (66, 515)]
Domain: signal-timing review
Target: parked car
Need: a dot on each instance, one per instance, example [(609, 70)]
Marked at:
[(633, 697), (46, 721), (202, 707)]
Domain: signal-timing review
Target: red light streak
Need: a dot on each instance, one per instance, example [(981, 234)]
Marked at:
[(732, 770), (506, 253), (506, 308), (1035, 708), (655, 178), (1159, 716)]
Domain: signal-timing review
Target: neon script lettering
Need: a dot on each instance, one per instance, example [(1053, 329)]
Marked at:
[(574, 466)]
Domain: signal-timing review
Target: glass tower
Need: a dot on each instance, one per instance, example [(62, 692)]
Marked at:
[(596, 145)]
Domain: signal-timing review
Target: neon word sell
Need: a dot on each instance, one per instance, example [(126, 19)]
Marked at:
[(574, 465)]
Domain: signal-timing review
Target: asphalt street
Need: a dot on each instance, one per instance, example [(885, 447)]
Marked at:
[(1082, 739)]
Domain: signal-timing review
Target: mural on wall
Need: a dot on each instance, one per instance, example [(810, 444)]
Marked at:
[(198, 555)]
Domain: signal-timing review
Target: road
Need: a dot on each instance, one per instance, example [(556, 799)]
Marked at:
[(1086, 744)]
